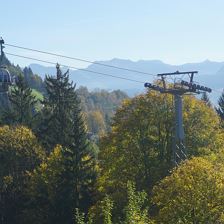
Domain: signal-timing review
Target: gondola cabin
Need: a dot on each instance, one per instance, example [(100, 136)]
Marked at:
[(5, 79)]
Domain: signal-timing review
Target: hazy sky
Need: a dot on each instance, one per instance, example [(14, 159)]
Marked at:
[(174, 31)]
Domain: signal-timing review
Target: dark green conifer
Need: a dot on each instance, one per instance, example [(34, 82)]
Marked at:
[(63, 124), (58, 107), (34, 81), (82, 159), (220, 108), (206, 99), (22, 104)]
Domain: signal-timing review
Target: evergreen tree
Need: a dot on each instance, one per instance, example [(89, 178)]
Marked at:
[(34, 81), (206, 99), (22, 104), (220, 109), (63, 124), (82, 159), (58, 106)]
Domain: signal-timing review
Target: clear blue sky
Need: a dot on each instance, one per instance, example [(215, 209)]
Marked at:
[(174, 31)]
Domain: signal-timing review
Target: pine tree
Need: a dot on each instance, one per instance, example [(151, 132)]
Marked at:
[(83, 159), (63, 124), (206, 99), (22, 104), (220, 108), (58, 107)]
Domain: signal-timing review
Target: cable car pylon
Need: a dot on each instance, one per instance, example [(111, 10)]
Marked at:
[(5, 79), (178, 89), (5, 76)]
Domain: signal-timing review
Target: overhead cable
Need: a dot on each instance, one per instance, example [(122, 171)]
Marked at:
[(72, 67), (79, 59)]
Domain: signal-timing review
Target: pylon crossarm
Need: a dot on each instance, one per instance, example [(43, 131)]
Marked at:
[(178, 89)]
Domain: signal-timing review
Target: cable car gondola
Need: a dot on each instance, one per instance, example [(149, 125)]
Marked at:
[(5, 76), (5, 79)]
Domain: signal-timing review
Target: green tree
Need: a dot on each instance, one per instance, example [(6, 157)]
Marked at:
[(19, 153), (82, 161), (65, 181), (96, 123), (55, 125), (98, 105), (79, 217), (55, 190), (220, 108), (44, 190), (63, 124), (206, 99), (34, 81), (106, 209), (193, 193), (135, 211), (139, 147), (22, 108)]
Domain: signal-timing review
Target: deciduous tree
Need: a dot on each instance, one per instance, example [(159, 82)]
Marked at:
[(193, 193), (139, 147), (19, 153)]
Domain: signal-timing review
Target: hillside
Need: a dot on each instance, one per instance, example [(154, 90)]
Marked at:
[(33, 80), (98, 106)]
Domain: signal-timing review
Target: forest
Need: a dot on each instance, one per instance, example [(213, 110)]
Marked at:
[(98, 106), (77, 157)]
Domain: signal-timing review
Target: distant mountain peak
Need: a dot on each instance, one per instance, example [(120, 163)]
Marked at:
[(211, 73), (152, 61)]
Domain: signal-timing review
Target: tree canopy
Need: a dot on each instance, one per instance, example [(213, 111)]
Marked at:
[(193, 193), (19, 152), (220, 108), (139, 147), (22, 105), (81, 168)]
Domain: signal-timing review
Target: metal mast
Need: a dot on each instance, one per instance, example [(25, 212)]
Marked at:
[(1, 50), (178, 89), (5, 77)]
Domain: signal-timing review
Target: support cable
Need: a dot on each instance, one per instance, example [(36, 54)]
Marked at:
[(79, 59), (72, 67)]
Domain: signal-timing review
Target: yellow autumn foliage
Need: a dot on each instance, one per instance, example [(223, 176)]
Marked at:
[(193, 193), (19, 150), (139, 146)]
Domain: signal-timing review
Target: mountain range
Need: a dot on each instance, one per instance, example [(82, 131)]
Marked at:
[(210, 74)]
